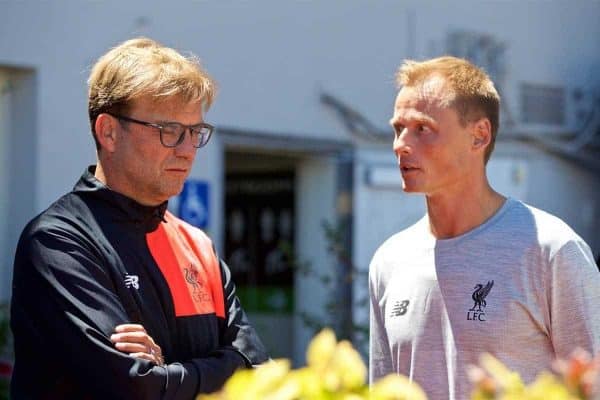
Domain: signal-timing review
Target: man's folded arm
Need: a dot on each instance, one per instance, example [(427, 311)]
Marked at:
[(65, 299)]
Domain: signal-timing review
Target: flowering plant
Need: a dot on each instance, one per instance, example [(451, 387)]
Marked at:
[(335, 370), (577, 378)]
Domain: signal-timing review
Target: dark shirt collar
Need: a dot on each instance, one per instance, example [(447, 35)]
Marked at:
[(127, 209)]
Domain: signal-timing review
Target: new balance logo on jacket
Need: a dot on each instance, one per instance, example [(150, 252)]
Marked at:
[(132, 281)]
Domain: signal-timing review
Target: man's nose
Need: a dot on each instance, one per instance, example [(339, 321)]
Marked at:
[(186, 148), (402, 142)]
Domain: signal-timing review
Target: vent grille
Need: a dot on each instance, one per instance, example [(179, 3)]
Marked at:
[(542, 104)]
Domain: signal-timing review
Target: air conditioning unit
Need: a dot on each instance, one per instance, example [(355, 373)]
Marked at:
[(543, 104)]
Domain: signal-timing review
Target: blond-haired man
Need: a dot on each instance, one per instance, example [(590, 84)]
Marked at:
[(113, 296), (479, 272)]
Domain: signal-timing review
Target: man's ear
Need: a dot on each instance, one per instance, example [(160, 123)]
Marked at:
[(481, 133), (106, 131)]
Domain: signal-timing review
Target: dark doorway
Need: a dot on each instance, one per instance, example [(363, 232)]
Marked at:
[(259, 237), (259, 242)]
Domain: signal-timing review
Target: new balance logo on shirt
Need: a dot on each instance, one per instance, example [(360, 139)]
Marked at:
[(400, 308)]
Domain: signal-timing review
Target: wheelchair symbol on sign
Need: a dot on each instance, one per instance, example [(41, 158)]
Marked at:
[(193, 204)]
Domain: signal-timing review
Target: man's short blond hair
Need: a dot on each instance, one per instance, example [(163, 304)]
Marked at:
[(474, 94), (143, 67)]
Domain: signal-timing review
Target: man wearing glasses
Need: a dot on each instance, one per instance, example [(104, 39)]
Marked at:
[(113, 296)]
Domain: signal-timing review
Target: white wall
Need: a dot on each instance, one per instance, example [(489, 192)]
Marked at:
[(272, 58), (17, 166), (315, 202), (572, 193)]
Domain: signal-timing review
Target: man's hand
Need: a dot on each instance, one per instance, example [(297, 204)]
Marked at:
[(133, 339)]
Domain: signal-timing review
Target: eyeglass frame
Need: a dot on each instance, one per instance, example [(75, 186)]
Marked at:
[(160, 128)]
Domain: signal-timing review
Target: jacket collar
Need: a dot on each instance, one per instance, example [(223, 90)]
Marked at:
[(127, 209)]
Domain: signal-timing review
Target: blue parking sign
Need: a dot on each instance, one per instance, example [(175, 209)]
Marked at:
[(193, 203)]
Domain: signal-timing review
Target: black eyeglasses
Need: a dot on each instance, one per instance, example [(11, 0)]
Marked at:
[(173, 133)]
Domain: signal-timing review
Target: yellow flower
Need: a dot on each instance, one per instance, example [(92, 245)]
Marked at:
[(396, 387), (506, 379), (547, 387), (309, 383), (334, 371), (268, 379), (320, 350), (347, 364)]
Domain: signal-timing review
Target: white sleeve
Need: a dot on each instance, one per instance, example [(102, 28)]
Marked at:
[(574, 300), (380, 359)]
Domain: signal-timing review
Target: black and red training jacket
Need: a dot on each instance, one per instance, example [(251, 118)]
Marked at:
[(96, 259)]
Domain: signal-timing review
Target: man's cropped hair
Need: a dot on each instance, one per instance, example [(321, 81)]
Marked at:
[(472, 92), (143, 67)]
